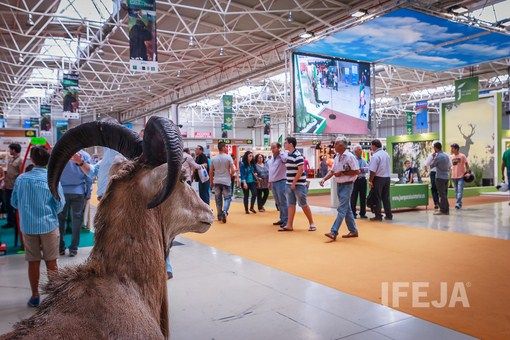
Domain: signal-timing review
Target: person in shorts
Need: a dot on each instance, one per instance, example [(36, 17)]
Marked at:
[(297, 189), (38, 211)]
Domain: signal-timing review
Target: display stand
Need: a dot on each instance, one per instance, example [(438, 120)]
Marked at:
[(409, 195)]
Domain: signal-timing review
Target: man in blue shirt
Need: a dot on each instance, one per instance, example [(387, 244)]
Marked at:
[(38, 211), (74, 183)]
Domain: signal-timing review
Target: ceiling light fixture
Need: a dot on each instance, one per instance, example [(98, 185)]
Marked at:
[(15, 80), (30, 22), (191, 41), (306, 35), (179, 73), (458, 9), (222, 52), (289, 17), (359, 13), (21, 59)]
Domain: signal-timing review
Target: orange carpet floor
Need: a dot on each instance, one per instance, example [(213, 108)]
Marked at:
[(382, 253)]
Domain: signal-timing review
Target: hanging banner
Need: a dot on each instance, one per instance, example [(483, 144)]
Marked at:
[(71, 102), (422, 115), (70, 80), (61, 127), (266, 120), (409, 123), (45, 110), (143, 51), (466, 90), (227, 101)]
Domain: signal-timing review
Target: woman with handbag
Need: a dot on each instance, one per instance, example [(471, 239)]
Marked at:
[(262, 173), (248, 181)]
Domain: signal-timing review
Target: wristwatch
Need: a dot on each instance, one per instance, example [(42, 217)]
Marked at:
[(81, 164)]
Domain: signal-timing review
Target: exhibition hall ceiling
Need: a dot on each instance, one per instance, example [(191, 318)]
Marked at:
[(205, 48), (415, 40)]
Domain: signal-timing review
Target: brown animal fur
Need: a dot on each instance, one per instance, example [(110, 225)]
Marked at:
[(120, 291)]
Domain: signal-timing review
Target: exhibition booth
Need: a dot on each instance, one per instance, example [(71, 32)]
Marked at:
[(333, 86)]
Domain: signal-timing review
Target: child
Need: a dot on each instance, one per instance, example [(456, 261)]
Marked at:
[(38, 211)]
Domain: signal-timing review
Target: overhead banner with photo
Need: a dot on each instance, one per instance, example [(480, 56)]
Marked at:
[(421, 115), (71, 103), (143, 47), (266, 120), (466, 90), (45, 111), (227, 101)]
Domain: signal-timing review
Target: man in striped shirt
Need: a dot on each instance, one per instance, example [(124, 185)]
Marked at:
[(38, 211), (296, 186)]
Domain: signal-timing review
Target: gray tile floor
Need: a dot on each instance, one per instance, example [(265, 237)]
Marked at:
[(488, 220), (215, 295)]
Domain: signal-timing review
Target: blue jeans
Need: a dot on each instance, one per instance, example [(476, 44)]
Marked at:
[(280, 198), (203, 191), (168, 265), (344, 192), (458, 184), (223, 197)]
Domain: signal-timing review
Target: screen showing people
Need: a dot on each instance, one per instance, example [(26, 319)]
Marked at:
[(331, 95)]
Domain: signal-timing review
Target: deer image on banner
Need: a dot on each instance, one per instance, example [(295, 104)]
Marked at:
[(467, 139)]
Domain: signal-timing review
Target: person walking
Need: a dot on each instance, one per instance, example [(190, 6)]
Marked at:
[(203, 187), (323, 167), (442, 163), (432, 176), (297, 189), (189, 165), (346, 171), (380, 180), (13, 171), (248, 181), (277, 182), (359, 190), (505, 163), (38, 219), (74, 183), (459, 168), (262, 172), (220, 173)]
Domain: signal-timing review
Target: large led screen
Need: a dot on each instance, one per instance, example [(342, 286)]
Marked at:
[(330, 95)]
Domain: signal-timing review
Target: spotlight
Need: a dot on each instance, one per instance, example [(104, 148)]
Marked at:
[(222, 52), (191, 41), (458, 9), (179, 73), (289, 17), (359, 14), (30, 22), (21, 59), (306, 35)]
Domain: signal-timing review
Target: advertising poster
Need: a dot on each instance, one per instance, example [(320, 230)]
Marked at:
[(472, 125), (414, 151), (421, 115), (331, 95), (266, 120), (71, 102), (466, 90), (409, 123), (227, 101), (61, 127), (70, 80), (143, 54)]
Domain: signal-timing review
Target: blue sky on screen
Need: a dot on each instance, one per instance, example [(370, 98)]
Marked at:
[(411, 39)]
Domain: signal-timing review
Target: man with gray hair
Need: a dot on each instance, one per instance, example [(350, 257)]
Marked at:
[(360, 185), (345, 170)]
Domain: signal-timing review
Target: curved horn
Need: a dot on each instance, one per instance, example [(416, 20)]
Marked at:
[(162, 143), (110, 135)]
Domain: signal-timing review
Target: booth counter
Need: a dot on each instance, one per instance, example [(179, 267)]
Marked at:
[(401, 195)]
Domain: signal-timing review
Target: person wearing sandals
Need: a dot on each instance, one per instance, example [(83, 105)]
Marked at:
[(262, 172), (248, 181), (345, 170), (296, 186)]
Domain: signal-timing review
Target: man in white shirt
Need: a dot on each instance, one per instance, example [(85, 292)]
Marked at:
[(380, 180), (345, 170)]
